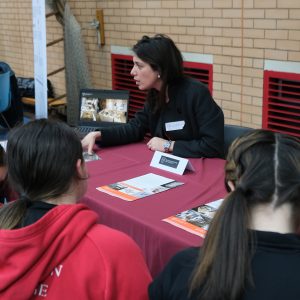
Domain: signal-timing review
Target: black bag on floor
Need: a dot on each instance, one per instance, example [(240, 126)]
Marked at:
[(26, 87), (14, 115)]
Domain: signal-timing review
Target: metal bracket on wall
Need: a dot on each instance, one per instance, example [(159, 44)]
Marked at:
[(100, 19), (98, 24)]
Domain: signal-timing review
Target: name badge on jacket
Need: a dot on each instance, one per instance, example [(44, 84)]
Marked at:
[(171, 126)]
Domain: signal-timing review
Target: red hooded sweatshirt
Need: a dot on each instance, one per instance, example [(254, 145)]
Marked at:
[(67, 255)]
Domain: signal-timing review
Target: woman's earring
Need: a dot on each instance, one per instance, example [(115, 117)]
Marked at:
[(158, 75)]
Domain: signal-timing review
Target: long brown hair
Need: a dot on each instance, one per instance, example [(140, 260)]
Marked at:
[(41, 160), (264, 167)]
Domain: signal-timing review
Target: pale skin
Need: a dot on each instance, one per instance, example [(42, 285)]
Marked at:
[(146, 78), (267, 217)]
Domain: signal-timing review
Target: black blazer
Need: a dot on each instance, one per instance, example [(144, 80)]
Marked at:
[(190, 101)]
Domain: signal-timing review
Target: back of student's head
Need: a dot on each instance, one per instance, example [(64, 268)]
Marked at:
[(41, 159), (264, 168)]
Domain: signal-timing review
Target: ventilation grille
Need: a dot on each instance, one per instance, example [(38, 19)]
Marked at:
[(122, 80), (281, 103), (202, 72)]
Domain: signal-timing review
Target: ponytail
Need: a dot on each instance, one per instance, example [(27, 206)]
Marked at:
[(224, 257), (264, 167), (11, 214)]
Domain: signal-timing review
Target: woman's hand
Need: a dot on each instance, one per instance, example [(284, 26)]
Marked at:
[(89, 141), (157, 144)]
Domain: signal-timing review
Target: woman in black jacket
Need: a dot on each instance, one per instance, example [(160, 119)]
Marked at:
[(179, 112)]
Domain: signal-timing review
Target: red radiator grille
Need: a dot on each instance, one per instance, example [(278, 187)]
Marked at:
[(122, 80), (281, 103)]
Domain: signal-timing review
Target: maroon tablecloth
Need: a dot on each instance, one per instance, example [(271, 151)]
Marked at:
[(142, 219)]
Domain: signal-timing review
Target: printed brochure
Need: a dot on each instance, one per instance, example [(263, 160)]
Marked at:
[(195, 220), (139, 187)]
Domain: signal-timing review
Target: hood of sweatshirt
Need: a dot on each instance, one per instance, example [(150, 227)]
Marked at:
[(29, 255)]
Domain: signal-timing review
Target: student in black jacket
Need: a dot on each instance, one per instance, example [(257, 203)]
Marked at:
[(252, 249), (179, 112)]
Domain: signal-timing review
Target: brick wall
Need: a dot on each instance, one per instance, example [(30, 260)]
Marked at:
[(16, 47), (239, 34)]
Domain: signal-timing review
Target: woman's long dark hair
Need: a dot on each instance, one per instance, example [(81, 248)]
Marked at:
[(264, 167), (163, 56), (41, 160)]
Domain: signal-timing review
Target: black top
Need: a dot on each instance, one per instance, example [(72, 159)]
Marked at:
[(190, 102), (275, 269), (35, 211)]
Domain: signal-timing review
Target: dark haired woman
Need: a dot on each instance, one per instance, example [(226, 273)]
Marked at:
[(50, 246), (180, 113), (252, 250)]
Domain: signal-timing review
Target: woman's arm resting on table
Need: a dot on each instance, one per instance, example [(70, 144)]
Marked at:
[(158, 144), (89, 140)]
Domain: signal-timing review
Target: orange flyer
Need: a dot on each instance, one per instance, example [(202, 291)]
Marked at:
[(195, 220), (139, 187)]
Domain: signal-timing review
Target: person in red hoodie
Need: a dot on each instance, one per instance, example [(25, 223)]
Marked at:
[(52, 247)]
